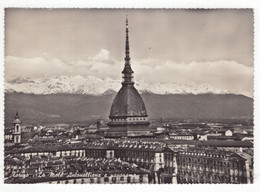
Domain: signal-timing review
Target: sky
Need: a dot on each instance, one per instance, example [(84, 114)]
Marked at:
[(166, 45)]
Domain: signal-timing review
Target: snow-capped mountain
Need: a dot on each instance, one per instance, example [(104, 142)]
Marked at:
[(94, 86), (62, 84)]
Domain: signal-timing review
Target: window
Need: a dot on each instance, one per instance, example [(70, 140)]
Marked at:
[(128, 179), (98, 180), (91, 180), (113, 179), (106, 179), (122, 178)]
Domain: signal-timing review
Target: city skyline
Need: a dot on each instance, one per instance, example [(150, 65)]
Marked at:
[(62, 135), (212, 47)]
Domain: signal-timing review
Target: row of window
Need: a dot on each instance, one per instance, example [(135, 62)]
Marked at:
[(130, 119), (107, 179), (204, 167), (207, 178), (95, 152), (169, 170), (204, 154), (133, 153), (207, 161), (181, 137), (168, 157)]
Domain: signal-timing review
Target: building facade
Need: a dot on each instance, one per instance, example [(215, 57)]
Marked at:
[(170, 166), (211, 166)]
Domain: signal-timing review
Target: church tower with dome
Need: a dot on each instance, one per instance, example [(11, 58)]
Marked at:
[(128, 116)]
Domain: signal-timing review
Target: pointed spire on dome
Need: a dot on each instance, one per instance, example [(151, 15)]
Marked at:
[(127, 48), (16, 116), (127, 72), (16, 119)]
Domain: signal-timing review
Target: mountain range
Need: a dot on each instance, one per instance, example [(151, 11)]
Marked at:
[(94, 86), (74, 99)]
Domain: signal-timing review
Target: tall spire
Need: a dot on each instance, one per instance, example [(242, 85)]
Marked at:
[(127, 72), (16, 115), (127, 51)]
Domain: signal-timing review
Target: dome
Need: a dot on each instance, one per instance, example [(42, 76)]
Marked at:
[(17, 121), (128, 102)]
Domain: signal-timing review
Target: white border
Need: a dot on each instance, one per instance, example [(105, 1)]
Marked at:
[(135, 4)]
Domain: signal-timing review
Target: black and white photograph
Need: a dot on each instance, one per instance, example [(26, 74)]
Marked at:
[(128, 96)]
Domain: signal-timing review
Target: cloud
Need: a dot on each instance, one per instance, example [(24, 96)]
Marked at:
[(99, 65), (102, 55), (226, 75), (37, 66)]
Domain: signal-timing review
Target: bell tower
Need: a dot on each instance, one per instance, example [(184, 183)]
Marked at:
[(17, 129)]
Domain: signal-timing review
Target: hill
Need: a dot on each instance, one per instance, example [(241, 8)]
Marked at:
[(78, 108)]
